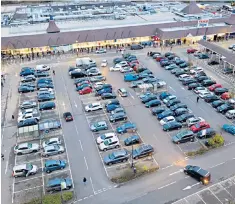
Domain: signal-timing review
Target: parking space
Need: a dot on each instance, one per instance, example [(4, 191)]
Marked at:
[(222, 192)]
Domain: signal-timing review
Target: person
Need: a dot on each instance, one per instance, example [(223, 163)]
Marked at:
[(54, 72), (84, 180), (12, 117), (197, 99), (148, 54), (2, 155)]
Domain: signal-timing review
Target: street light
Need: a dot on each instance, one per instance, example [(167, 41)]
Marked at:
[(132, 160)]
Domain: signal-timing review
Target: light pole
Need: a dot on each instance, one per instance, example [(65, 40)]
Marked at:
[(132, 162)]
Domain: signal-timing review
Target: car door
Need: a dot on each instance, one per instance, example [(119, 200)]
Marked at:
[(24, 150)]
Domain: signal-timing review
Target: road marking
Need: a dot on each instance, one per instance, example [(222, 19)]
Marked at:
[(28, 189), (86, 163), (167, 185), (92, 185), (167, 167), (6, 167), (189, 187), (80, 143), (216, 165), (131, 95), (176, 172), (28, 179), (75, 104), (183, 88), (172, 89)]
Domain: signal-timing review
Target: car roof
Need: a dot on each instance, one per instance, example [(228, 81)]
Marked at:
[(23, 145), (67, 113), (21, 166), (122, 89), (102, 122), (109, 134), (53, 139), (49, 162), (54, 181), (50, 147), (119, 153)]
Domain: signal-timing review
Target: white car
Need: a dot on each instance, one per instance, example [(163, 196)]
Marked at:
[(200, 89), (104, 63), (51, 141), (50, 90), (196, 70), (171, 97), (105, 136), (98, 84), (167, 120), (42, 67), (203, 94), (194, 120), (126, 69), (183, 76), (231, 46), (123, 63), (28, 116), (232, 101), (117, 67), (109, 144), (25, 111), (26, 148), (93, 71), (75, 70), (93, 107), (100, 51)]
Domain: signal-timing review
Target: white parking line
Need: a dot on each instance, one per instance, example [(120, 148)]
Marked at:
[(81, 145), (27, 189), (167, 185), (28, 179), (92, 186), (172, 89), (86, 163), (6, 168)]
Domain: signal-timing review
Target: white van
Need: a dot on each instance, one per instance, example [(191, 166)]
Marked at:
[(230, 114)]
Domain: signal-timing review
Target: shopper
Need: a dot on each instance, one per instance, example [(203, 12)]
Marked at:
[(84, 180), (197, 99)]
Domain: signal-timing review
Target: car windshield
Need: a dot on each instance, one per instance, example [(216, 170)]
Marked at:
[(30, 145), (29, 167), (197, 125), (56, 147), (102, 137), (106, 142), (90, 105), (111, 156), (181, 134)]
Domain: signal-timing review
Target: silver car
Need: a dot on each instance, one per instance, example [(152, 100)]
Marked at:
[(52, 150), (51, 141), (28, 104), (26, 148)]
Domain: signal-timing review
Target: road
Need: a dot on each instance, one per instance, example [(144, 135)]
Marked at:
[(82, 151)]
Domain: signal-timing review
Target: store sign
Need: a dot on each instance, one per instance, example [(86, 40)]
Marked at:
[(203, 23)]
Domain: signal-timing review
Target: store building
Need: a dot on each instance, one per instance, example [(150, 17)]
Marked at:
[(175, 31)]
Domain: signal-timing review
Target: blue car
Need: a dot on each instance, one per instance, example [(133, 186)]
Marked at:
[(46, 97), (79, 88), (142, 151), (165, 114), (58, 184), (126, 127), (105, 90), (116, 157), (53, 165), (153, 103), (131, 77), (172, 126), (44, 81), (164, 95), (25, 89), (111, 107), (229, 128), (27, 71), (98, 126), (134, 139)]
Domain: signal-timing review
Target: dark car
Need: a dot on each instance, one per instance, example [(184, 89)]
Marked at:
[(59, 184), (158, 110), (103, 86), (44, 80), (164, 95), (108, 96), (178, 62), (41, 74), (202, 73), (203, 56), (28, 122), (206, 133), (117, 60), (168, 54), (165, 63), (208, 82), (172, 102), (27, 72), (117, 117), (148, 98), (82, 86), (97, 78), (164, 114), (213, 62), (46, 97), (68, 116), (181, 111), (105, 90), (173, 71), (112, 101), (47, 106), (220, 91), (183, 65), (153, 103), (178, 73), (201, 78), (183, 136), (25, 89), (136, 47), (75, 74), (217, 103), (210, 98), (111, 107), (224, 108), (193, 86), (142, 151), (188, 81), (134, 139), (227, 70), (174, 125), (198, 173), (184, 117), (178, 105), (116, 157)]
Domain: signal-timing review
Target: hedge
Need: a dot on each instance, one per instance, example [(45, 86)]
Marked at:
[(129, 174), (52, 198)]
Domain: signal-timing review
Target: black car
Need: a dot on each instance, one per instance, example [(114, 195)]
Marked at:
[(136, 47), (181, 111), (178, 62), (188, 81), (158, 110), (168, 54), (148, 98), (172, 102), (108, 96), (224, 108), (217, 103), (142, 151), (213, 63), (68, 116), (208, 82), (171, 57), (153, 103), (173, 71), (179, 105), (193, 86), (25, 89), (75, 74), (154, 53), (184, 117), (210, 98), (27, 72), (200, 74), (180, 73), (206, 133), (220, 91), (198, 173), (47, 106), (28, 122), (201, 78), (117, 117)]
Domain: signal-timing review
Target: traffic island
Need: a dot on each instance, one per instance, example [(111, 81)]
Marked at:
[(127, 173)]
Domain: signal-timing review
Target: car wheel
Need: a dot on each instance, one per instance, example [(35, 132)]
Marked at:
[(135, 158), (34, 151), (46, 155), (124, 160), (186, 172), (110, 163), (192, 140), (48, 171), (62, 168), (106, 128), (113, 121), (117, 146), (105, 149)]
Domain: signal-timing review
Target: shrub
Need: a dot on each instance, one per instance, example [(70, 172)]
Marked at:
[(200, 151), (68, 195), (216, 141)]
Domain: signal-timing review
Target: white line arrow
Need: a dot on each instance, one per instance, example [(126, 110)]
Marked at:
[(189, 187)]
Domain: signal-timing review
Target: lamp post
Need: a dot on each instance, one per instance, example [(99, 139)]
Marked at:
[(132, 161)]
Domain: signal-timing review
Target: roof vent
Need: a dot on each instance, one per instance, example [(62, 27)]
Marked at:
[(52, 27)]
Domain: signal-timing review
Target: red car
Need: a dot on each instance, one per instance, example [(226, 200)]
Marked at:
[(199, 126), (225, 96), (133, 62), (159, 58), (214, 86), (85, 90), (192, 50)]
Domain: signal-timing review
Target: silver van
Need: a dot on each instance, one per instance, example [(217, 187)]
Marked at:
[(24, 170), (230, 114)]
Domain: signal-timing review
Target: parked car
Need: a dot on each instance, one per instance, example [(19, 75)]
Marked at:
[(200, 89), (117, 117), (172, 102), (171, 67), (109, 144), (230, 114), (164, 95), (227, 70), (206, 133), (169, 98), (164, 114), (51, 141), (28, 122), (25, 89), (93, 107), (42, 67), (213, 62), (136, 47), (183, 136), (116, 157), (229, 128), (97, 78), (224, 108), (210, 98), (225, 96), (52, 150), (208, 82), (203, 94), (178, 105), (158, 110), (217, 103), (108, 96), (131, 140), (167, 119), (203, 56), (100, 51), (24, 170), (194, 120), (220, 91), (26, 148), (30, 115), (53, 165), (105, 136), (153, 103), (142, 151), (148, 98), (28, 104), (180, 111), (199, 126), (41, 74), (184, 117), (45, 97), (174, 125), (47, 106), (188, 81), (191, 50), (198, 173), (59, 184), (214, 86), (126, 127), (98, 126)]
